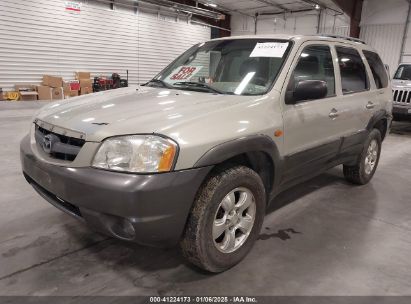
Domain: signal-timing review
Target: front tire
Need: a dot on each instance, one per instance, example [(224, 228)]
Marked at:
[(225, 220), (363, 171)]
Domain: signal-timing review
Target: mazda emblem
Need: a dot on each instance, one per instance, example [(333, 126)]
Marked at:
[(47, 143)]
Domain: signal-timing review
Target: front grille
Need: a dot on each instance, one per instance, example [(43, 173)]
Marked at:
[(60, 146), (402, 96)]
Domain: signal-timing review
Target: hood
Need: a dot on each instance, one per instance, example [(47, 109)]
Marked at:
[(401, 84), (134, 110)]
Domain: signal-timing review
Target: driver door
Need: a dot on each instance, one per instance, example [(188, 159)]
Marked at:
[(312, 128)]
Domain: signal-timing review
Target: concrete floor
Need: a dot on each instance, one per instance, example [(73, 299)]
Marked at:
[(325, 238)]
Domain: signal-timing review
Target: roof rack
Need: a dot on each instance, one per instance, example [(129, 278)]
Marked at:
[(343, 37)]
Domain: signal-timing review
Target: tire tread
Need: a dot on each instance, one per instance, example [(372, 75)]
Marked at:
[(190, 242)]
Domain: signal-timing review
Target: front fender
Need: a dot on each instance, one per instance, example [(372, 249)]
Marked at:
[(248, 144)]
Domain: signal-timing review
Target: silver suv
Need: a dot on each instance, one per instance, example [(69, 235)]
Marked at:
[(194, 156), (401, 86)]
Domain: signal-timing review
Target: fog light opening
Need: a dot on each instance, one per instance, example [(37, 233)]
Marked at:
[(123, 228)]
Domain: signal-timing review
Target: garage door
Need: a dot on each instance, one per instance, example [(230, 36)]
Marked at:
[(47, 37)]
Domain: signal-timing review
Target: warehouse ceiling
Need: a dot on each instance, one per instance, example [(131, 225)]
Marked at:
[(251, 7)]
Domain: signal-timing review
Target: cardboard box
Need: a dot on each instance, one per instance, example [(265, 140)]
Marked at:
[(68, 91), (73, 93), (86, 83), (28, 96), (66, 87), (45, 81), (27, 92), (52, 81), (45, 92), (57, 93), (55, 82), (86, 90), (25, 87), (83, 75)]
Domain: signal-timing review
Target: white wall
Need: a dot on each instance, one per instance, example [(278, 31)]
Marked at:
[(296, 23), (40, 37), (382, 26)]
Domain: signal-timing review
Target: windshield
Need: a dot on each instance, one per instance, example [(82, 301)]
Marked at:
[(403, 72), (241, 67)]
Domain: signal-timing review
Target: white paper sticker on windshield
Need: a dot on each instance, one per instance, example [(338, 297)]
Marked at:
[(269, 49), (183, 73)]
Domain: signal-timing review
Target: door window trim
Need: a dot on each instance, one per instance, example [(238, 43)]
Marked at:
[(366, 67)]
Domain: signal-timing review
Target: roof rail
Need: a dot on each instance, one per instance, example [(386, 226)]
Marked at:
[(343, 37)]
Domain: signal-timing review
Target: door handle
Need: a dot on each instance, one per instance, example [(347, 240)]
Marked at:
[(370, 105), (333, 114)]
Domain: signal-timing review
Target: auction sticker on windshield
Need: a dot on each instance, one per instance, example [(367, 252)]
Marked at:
[(183, 73), (269, 49)]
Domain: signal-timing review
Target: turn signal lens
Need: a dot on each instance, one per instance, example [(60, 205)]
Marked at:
[(166, 161)]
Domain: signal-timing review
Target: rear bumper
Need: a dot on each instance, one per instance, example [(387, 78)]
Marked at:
[(148, 209)]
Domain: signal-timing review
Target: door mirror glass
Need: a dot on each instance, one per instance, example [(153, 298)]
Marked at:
[(307, 90)]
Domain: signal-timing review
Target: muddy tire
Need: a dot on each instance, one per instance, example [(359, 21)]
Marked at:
[(225, 220), (363, 171)]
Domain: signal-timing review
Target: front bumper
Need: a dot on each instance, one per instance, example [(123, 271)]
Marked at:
[(401, 111), (149, 209)]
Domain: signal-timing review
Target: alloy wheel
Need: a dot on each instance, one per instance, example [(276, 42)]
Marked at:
[(371, 157), (234, 220)]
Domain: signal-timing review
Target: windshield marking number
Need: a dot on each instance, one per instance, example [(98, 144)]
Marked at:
[(269, 49)]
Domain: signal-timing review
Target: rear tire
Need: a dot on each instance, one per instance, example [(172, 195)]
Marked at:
[(225, 220), (363, 171)]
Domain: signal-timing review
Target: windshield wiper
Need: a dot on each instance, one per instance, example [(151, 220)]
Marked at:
[(160, 82), (198, 85)]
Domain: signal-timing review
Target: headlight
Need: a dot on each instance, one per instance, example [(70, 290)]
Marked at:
[(136, 153)]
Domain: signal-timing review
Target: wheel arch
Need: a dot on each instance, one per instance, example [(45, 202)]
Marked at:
[(380, 121), (258, 152)]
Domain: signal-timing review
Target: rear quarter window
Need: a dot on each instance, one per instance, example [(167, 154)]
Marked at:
[(378, 70)]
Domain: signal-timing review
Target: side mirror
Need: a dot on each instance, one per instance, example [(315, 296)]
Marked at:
[(307, 90)]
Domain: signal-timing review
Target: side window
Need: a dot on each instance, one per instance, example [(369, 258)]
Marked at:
[(377, 68), (353, 73), (315, 63)]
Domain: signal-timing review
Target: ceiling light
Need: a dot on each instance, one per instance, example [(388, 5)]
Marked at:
[(317, 6), (211, 4)]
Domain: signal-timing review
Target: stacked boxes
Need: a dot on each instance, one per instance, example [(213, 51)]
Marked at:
[(51, 88), (71, 88), (86, 84), (45, 92)]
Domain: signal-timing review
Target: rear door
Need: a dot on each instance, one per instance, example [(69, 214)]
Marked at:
[(382, 94), (356, 89)]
